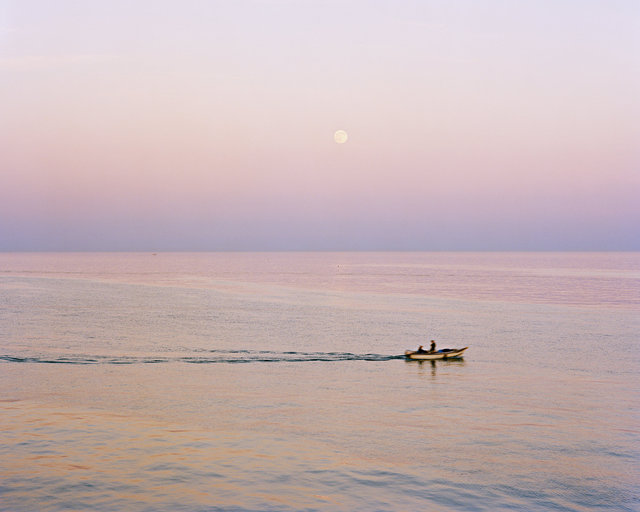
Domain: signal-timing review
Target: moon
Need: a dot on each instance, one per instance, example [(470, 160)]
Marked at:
[(340, 137)]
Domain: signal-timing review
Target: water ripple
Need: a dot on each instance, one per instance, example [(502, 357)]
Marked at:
[(211, 357)]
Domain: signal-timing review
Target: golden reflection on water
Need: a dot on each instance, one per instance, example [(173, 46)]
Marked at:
[(78, 455), (306, 436)]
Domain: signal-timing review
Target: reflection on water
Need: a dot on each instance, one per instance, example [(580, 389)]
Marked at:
[(273, 382), (595, 279), (72, 459), (330, 435), (433, 365)]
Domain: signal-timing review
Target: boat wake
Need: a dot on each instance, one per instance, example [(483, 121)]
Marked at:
[(204, 357)]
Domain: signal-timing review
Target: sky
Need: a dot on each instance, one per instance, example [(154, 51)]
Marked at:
[(209, 125)]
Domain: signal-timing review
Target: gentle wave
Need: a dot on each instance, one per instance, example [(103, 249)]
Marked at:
[(214, 356)]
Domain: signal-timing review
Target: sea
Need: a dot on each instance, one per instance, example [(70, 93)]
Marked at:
[(276, 382)]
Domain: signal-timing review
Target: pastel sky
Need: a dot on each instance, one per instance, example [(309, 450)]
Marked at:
[(209, 125)]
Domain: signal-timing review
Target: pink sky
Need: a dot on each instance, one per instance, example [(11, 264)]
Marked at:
[(209, 125)]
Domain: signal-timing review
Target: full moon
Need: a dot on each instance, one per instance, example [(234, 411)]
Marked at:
[(340, 136)]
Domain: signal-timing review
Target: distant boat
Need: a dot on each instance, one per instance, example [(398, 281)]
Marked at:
[(445, 353)]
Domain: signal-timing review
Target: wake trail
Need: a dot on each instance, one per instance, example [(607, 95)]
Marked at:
[(208, 357)]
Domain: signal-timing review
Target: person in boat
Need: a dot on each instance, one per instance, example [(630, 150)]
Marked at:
[(432, 349)]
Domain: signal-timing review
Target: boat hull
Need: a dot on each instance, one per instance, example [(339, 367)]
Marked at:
[(456, 353)]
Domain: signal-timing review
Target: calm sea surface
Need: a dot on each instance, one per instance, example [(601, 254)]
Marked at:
[(272, 382)]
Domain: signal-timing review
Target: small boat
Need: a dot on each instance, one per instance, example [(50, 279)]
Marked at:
[(445, 353)]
